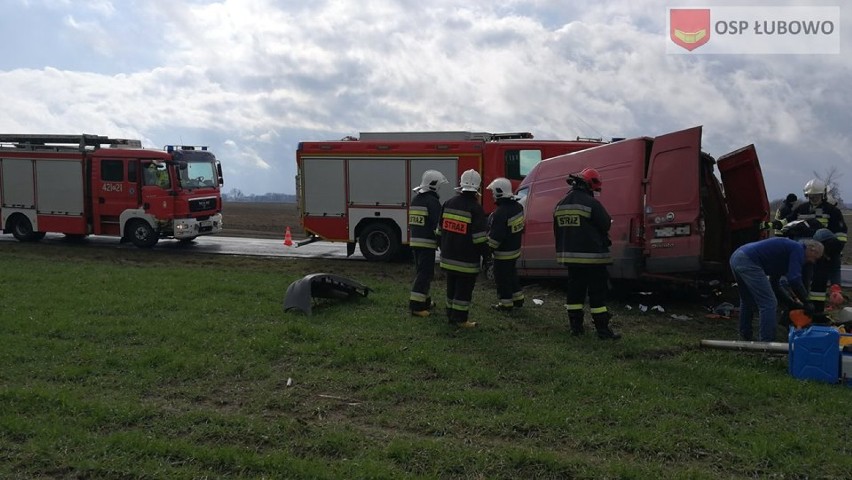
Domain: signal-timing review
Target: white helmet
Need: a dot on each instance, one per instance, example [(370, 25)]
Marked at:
[(469, 181), (501, 188), (432, 179), (814, 186)]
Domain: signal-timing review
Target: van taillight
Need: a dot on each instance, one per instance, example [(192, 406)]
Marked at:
[(636, 234)]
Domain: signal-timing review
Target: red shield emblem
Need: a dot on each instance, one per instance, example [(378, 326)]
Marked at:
[(689, 28)]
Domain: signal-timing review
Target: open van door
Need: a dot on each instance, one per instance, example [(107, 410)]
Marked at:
[(673, 235), (745, 195)]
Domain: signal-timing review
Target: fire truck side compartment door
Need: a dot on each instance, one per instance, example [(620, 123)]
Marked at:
[(377, 182), (745, 194), (672, 203), (325, 187)]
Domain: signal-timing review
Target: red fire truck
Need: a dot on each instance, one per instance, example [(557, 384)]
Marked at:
[(673, 219), (357, 190), (71, 184)]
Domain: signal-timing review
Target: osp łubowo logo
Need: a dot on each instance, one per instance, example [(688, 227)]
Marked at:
[(689, 28)]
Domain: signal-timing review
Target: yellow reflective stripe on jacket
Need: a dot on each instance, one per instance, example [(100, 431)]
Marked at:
[(460, 215), (480, 237), (423, 242), (516, 223), (501, 255), (583, 258), (457, 266), (574, 209)]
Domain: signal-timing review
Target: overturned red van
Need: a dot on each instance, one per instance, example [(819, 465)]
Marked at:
[(673, 219)]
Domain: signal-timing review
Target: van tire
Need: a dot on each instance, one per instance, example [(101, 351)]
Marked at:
[(378, 242)]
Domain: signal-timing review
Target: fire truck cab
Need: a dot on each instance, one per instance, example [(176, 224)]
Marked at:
[(671, 217), (359, 190), (69, 184)]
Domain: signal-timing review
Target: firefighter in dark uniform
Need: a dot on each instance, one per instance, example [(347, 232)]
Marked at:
[(423, 216), (829, 217), (581, 228), (463, 230), (783, 212), (506, 225)]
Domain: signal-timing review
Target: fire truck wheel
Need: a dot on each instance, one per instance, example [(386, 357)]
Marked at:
[(141, 234), (378, 242), (22, 230)]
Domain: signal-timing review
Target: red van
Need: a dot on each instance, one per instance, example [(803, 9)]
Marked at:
[(672, 218)]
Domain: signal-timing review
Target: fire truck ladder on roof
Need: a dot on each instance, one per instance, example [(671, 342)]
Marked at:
[(34, 141), (442, 136)]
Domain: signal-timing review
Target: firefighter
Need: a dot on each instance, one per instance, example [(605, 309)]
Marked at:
[(423, 216), (156, 175), (581, 229), (828, 215), (463, 230), (506, 225), (822, 270), (783, 212)]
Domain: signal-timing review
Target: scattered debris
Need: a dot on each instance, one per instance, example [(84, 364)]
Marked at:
[(320, 285), (680, 317), (538, 301)]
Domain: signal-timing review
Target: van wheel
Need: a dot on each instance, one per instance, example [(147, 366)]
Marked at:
[(378, 242), (141, 234), (22, 230)]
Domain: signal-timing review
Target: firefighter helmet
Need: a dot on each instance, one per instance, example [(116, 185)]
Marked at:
[(469, 181), (501, 188), (592, 179), (432, 179), (814, 186), (823, 235)]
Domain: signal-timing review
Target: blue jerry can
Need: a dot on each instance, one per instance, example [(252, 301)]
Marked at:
[(815, 354)]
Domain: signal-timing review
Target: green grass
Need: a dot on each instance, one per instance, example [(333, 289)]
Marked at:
[(119, 363)]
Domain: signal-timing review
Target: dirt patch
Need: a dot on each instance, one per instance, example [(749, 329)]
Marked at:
[(261, 220)]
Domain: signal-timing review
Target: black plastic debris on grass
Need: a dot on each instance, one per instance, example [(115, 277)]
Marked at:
[(300, 294)]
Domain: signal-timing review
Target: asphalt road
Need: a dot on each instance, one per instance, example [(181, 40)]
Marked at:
[(218, 245)]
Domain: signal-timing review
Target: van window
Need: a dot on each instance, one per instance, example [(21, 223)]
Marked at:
[(112, 171), (520, 162)]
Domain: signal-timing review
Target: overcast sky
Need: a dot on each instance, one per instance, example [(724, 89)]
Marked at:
[(252, 78)]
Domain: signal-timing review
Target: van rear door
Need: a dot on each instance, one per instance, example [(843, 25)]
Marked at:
[(672, 203), (745, 195)]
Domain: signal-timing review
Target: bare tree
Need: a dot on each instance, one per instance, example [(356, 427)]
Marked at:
[(236, 194), (831, 177)]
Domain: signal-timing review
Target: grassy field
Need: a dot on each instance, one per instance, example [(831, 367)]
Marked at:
[(142, 364)]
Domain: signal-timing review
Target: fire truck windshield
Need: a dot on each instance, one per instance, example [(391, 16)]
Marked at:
[(197, 170)]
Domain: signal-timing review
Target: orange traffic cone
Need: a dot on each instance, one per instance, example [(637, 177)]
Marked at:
[(288, 238)]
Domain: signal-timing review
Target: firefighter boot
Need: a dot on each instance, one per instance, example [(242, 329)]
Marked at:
[(602, 326), (575, 321)]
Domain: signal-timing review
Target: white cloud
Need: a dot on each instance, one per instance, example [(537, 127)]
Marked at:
[(258, 76)]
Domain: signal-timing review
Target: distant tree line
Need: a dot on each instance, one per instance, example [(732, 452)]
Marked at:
[(236, 195)]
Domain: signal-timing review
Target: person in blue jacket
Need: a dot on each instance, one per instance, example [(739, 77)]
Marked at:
[(755, 266)]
